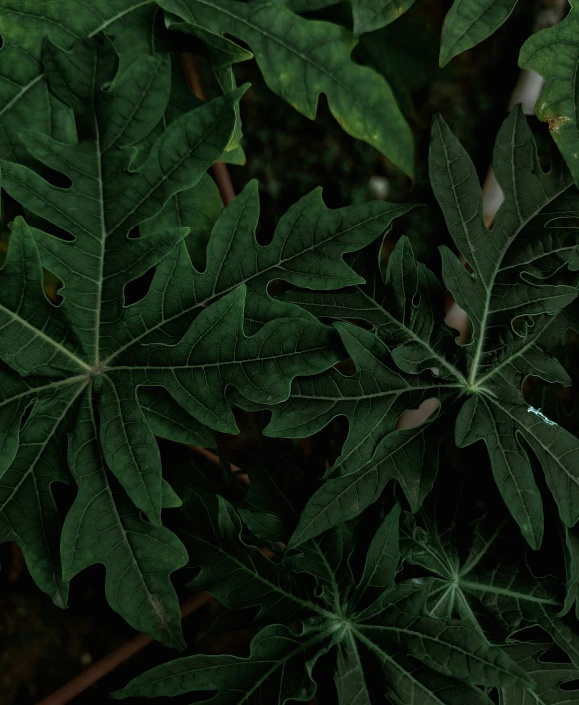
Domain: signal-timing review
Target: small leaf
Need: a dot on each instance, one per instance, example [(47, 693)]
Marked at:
[(469, 22)]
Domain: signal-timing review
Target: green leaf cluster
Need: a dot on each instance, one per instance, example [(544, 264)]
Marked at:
[(350, 555), (344, 604)]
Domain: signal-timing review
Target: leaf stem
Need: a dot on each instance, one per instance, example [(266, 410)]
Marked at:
[(114, 659)]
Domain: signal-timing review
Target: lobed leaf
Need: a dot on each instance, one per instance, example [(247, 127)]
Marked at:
[(387, 641), (510, 306)]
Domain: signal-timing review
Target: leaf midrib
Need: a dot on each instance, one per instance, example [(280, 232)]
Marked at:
[(274, 588), (376, 649), (103, 232), (497, 268), (396, 392), (428, 637), (205, 302), (470, 585), (46, 338), (36, 390), (450, 367)]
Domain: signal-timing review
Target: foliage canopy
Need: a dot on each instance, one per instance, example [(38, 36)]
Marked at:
[(139, 314)]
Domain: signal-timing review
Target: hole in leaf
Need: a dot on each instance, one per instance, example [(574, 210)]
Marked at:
[(1, 41), (35, 221), (414, 417), (554, 655), (531, 634), (134, 233), (56, 178), (346, 367), (61, 234), (52, 284), (570, 685), (137, 289), (25, 416), (493, 198), (456, 318), (277, 287), (568, 223)]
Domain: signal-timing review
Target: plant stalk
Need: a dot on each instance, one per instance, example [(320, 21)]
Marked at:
[(220, 170), (116, 658)]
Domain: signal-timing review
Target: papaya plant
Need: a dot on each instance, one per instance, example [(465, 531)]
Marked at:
[(353, 430)]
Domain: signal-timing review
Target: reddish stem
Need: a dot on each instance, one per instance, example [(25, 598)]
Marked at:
[(220, 171), (116, 658)]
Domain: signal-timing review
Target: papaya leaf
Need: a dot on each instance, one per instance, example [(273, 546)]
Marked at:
[(470, 587), (364, 629), (64, 354), (409, 356), (300, 59)]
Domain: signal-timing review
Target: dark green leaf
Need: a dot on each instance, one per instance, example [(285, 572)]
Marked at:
[(389, 640), (510, 305), (469, 22)]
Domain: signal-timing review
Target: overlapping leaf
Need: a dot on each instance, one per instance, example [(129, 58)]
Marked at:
[(302, 58), (467, 23), (375, 632), (555, 680), (58, 350), (408, 357), (554, 54), (368, 15)]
